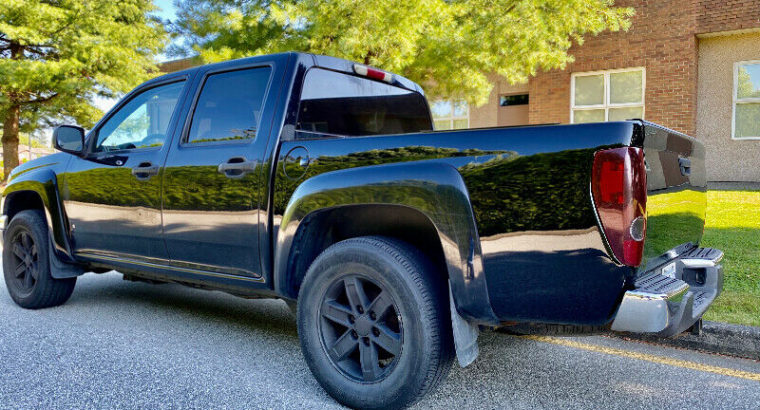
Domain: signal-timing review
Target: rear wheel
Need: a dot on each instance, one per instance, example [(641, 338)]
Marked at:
[(26, 264), (373, 322)]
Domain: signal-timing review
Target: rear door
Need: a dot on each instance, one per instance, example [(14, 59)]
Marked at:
[(213, 177)]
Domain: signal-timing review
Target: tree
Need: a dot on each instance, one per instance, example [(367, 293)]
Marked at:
[(449, 46), (56, 56)]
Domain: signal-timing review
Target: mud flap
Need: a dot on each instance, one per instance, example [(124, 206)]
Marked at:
[(61, 270), (465, 335)]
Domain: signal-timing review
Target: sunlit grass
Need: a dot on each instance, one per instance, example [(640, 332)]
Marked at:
[(733, 225)]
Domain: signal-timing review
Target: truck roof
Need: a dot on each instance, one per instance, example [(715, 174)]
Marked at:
[(308, 59)]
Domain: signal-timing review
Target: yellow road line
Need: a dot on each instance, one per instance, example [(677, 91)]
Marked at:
[(648, 357)]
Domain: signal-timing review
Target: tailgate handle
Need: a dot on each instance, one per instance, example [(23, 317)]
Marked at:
[(685, 165)]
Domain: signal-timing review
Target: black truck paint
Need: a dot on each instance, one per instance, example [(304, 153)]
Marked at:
[(506, 214)]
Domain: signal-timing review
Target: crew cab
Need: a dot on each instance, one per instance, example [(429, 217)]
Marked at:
[(322, 182)]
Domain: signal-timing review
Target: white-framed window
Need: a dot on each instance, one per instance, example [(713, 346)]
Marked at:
[(745, 124), (610, 95), (450, 115)]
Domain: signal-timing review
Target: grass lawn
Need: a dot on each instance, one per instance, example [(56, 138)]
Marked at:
[(733, 225)]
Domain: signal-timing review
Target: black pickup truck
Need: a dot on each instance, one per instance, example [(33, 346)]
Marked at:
[(322, 182)]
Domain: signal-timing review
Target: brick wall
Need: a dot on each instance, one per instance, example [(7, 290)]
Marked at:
[(662, 39), (727, 15)]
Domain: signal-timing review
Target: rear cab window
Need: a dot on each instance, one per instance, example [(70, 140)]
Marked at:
[(338, 104)]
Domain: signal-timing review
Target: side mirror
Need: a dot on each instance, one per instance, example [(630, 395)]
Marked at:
[(69, 138)]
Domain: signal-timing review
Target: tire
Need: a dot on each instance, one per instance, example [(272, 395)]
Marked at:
[(414, 351), (26, 264)]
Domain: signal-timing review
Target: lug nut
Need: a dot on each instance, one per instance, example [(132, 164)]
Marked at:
[(375, 332), (360, 309), (354, 334), (366, 341), (372, 315), (351, 319)]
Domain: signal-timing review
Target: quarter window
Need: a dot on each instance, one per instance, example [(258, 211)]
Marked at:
[(613, 95), (229, 106), (450, 115), (142, 122), (746, 124)]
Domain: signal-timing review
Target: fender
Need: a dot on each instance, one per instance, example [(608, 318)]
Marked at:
[(433, 188), (43, 181)]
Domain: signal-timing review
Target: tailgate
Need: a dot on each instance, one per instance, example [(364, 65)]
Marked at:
[(676, 193)]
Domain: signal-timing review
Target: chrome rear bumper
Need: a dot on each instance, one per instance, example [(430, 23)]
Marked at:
[(673, 297)]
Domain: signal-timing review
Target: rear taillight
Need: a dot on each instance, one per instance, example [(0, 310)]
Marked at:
[(619, 188)]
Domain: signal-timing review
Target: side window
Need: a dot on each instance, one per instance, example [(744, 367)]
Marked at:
[(341, 104), (450, 115), (747, 100), (612, 95), (142, 122), (229, 106)]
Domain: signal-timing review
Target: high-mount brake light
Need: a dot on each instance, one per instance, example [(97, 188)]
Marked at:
[(619, 189), (373, 73)]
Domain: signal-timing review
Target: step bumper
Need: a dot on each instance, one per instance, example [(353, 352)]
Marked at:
[(674, 296)]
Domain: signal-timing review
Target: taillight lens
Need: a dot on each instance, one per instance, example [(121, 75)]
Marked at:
[(619, 188)]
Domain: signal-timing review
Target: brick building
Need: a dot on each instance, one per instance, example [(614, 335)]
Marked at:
[(691, 65)]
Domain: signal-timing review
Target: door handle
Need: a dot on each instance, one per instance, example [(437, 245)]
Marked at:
[(144, 171), (236, 167)]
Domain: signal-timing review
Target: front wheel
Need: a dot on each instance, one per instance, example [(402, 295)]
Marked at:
[(373, 322), (26, 264)]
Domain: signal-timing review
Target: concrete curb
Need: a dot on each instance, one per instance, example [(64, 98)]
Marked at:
[(717, 337)]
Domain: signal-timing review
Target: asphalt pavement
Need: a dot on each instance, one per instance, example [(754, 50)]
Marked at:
[(119, 344)]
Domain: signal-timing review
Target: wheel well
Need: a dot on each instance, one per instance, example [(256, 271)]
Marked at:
[(321, 229), (21, 201)]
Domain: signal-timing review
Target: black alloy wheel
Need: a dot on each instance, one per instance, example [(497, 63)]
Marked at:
[(25, 262), (361, 328), (373, 319)]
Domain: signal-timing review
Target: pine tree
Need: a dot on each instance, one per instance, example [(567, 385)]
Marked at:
[(56, 56)]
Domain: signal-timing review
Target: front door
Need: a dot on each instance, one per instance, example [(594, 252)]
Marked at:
[(112, 196), (213, 176)]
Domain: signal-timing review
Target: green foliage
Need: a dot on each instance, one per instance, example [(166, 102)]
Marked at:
[(37, 141), (448, 46), (57, 56), (733, 225)]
